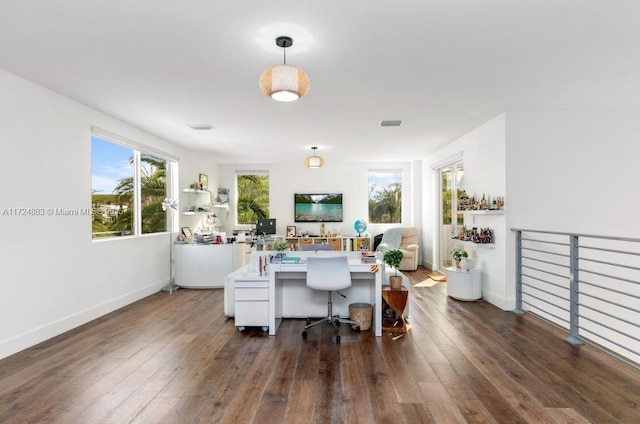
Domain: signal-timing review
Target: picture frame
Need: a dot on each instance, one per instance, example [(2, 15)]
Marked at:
[(291, 230), (204, 181), (186, 231)]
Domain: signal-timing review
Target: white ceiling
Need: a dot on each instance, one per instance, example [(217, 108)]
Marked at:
[(444, 66)]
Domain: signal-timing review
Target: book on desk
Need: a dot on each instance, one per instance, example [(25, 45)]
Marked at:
[(369, 257)]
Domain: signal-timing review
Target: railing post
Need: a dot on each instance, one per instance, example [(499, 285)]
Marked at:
[(574, 278), (519, 309)]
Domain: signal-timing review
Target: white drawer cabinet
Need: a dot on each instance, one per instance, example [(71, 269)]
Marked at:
[(251, 304)]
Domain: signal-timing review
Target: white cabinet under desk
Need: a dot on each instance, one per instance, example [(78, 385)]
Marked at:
[(202, 265)]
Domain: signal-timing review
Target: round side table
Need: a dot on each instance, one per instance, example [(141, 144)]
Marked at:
[(464, 285)]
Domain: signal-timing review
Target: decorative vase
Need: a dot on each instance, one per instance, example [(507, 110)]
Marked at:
[(395, 281), (466, 264), (457, 263)]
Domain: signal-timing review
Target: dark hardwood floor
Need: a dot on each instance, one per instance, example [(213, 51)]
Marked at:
[(176, 359)]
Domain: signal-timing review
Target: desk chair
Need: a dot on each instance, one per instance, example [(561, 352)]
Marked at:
[(314, 247), (329, 273)]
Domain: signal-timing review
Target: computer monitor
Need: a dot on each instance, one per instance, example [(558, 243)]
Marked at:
[(266, 226)]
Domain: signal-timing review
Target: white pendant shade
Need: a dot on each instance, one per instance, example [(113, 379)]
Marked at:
[(314, 161), (284, 83)]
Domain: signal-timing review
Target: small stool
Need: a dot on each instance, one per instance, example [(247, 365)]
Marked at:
[(397, 300)]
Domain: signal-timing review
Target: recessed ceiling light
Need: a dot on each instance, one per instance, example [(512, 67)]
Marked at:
[(201, 127), (392, 123)]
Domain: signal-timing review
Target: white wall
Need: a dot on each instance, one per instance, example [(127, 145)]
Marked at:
[(484, 173), (350, 179), (54, 277), (572, 171)]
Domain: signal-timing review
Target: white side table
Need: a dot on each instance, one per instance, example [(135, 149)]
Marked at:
[(464, 285)]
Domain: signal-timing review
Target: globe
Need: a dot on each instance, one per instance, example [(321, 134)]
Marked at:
[(360, 226)]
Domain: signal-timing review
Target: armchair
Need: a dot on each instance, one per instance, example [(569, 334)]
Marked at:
[(405, 239)]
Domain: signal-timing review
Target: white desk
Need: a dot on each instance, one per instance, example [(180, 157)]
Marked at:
[(366, 287)]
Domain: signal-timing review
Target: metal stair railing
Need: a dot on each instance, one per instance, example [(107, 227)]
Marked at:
[(588, 285)]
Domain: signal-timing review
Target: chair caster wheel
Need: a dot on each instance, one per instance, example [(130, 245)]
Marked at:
[(358, 329), (308, 322), (304, 334), (337, 339), (241, 329)]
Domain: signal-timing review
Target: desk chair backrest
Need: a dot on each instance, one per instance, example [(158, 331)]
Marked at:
[(328, 273), (315, 247)]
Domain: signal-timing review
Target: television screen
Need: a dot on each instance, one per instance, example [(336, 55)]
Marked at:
[(266, 226), (318, 207)]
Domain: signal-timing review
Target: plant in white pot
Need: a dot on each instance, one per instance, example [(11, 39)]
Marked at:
[(280, 246), (458, 255), (393, 258)]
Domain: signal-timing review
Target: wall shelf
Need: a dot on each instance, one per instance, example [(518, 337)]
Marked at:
[(484, 212), (470, 243), (193, 190)]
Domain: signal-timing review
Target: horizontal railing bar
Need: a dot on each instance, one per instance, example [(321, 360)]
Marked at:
[(608, 351), (609, 263), (610, 341), (546, 272), (610, 289), (548, 313), (603, 249), (545, 281), (545, 262), (545, 291), (609, 315), (546, 252), (557, 243), (609, 276), (547, 302), (608, 327), (576, 234), (628, 308)]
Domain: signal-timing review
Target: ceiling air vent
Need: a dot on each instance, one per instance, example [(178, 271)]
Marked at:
[(392, 123), (201, 127)]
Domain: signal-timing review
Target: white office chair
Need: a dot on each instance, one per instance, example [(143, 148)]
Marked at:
[(329, 273)]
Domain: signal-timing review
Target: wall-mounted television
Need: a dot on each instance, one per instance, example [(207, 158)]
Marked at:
[(318, 207)]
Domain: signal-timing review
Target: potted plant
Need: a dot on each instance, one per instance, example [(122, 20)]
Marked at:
[(393, 258), (458, 255), (280, 246)]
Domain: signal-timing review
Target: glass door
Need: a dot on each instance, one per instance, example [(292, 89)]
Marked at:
[(451, 219)]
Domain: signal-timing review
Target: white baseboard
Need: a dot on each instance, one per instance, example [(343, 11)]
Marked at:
[(39, 334)]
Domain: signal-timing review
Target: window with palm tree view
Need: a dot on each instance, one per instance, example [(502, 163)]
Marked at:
[(118, 173), (385, 197), (253, 197)]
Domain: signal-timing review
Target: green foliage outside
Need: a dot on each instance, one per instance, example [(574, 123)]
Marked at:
[(253, 198), (385, 204), (121, 203)]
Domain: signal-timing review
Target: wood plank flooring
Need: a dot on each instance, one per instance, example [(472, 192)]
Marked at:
[(175, 358)]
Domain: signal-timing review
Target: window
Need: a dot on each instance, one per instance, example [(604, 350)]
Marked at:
[(128, 188), (253, 197), (385, 197)]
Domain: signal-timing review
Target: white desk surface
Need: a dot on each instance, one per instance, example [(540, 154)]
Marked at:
[(355, 266)]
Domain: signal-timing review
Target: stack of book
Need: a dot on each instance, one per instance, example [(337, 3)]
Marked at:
[(369, 257)]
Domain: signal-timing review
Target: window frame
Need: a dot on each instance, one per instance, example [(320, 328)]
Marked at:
[(396, 171), (237, 195), (171, 173)]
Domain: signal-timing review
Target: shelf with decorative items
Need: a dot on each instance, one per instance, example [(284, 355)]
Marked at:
[(482, 237), (471, 243), (485, 212), (198, 202)]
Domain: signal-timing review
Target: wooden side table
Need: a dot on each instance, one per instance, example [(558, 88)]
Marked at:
[(397, 300)]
